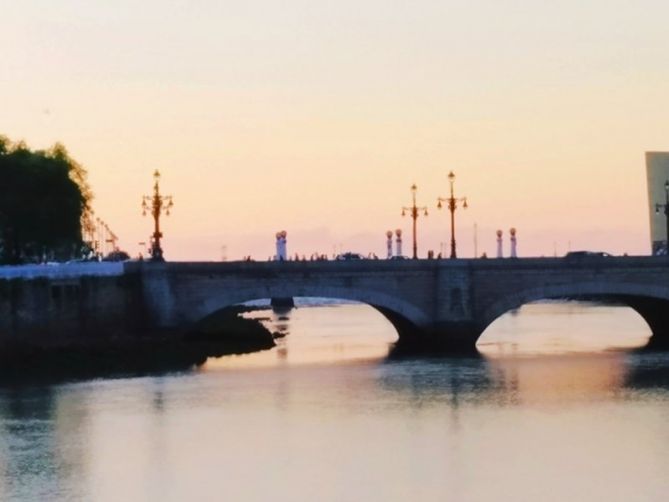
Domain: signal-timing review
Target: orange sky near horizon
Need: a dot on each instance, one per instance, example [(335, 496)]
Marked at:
[(317, 119)]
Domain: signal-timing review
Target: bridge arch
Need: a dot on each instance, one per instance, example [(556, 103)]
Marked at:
[(650, 302), (404, 316)]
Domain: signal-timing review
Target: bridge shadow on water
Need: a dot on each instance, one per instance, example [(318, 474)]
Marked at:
[(551, 351), (535, 380), (538, 349), (546, 354), (226, 333)]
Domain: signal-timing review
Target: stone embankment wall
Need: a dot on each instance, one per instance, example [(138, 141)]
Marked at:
[(61, 305)]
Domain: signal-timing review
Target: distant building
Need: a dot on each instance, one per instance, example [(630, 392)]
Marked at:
[(657, 171)]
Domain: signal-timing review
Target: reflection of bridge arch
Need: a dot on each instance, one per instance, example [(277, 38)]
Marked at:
[(651, 302), (404, 316)]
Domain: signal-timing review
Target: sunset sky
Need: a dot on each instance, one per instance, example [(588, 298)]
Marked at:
[(316, 117)]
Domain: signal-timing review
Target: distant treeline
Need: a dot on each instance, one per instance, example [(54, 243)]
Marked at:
[(44, 204)]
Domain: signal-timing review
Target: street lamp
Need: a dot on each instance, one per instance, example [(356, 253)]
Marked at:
[(111, 238), (665, 206), (100, 238), (88, 228), (452, 206), (413, 212), (156, 204)]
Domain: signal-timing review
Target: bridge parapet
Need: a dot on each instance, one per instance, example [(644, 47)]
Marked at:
[(448, 301), (62, 270)]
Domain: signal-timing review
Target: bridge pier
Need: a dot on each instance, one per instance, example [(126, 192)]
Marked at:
[(283, 304), (656, 313), (444, 337), (448, 337)]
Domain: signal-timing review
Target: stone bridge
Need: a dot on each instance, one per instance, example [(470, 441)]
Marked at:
[(447, 302), (443, 302)]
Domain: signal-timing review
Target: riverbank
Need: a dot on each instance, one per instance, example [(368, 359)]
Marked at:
[(226, 333)]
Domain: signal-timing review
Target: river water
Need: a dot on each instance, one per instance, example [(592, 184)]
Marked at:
[(557, 407)]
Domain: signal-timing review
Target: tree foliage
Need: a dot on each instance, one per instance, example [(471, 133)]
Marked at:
[(44, 203)]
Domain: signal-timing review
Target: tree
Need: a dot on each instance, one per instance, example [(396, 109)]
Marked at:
[(44, 203)]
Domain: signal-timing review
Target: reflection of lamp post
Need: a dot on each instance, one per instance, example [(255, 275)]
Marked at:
[(156, 204), (666, 211), (452, 206), (414, 215)]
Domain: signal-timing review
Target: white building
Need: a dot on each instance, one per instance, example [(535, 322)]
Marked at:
[(657, 171)]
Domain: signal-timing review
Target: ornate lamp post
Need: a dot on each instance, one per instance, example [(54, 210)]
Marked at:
[(413, 212), (96, 241), (101, 234), (156, 204), (111, 238), (665, 206), (452, 206)]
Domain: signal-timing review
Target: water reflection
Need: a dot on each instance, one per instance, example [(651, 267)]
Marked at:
[(39, 458), (544, 354), (328, 415), (564, 327), (341, 333), (430, 380), (557, 380)]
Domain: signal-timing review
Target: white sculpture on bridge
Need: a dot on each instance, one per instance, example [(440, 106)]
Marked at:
[(500, 249), (514, 253), (389, 243), (398, 242), (281, 248)]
